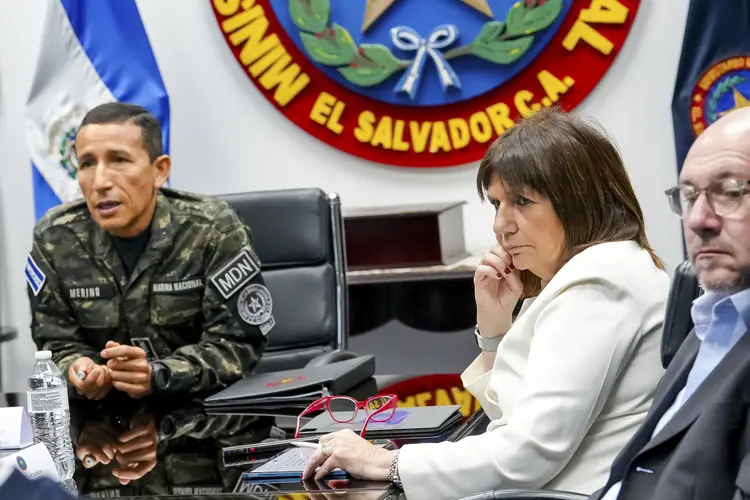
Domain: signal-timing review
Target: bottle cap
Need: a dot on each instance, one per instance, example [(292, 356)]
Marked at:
[(41, 355)]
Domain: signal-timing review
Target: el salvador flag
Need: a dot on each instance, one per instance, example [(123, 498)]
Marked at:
[(93, 52)]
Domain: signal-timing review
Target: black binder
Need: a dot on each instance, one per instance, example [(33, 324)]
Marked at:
[(294, 387)]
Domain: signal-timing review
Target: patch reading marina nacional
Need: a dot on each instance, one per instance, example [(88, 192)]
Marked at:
[(174, 287), (255, 305), (235, 274), (34, 276)]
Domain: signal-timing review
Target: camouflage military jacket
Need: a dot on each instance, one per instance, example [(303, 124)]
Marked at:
[(196, 300)]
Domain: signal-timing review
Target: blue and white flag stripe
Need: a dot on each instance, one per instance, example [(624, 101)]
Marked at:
[(92, 53), (34, 276)]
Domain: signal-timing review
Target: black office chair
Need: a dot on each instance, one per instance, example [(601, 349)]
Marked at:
[(298, 235), (677, 320), (677, 325)]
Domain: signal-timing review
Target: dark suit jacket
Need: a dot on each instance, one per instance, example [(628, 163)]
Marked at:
[(699, 453)]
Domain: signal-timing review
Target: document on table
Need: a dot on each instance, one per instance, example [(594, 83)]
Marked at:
[(33, 461), (15, 428), (289, 463)]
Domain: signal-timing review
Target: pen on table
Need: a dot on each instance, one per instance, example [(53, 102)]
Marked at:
[(304, 444)]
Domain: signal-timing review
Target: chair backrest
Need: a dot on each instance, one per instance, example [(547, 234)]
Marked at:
[(677, 320), (298, 236)]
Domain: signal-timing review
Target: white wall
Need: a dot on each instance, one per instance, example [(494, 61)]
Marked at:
[(226, 137)]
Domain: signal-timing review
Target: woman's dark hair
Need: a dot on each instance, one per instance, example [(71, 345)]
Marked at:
[(572, 163)]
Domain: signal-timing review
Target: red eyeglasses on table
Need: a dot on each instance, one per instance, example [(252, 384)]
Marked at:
[(343, 409)]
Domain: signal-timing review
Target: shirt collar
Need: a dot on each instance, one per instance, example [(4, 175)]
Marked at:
[(741, 301), (704, 307)]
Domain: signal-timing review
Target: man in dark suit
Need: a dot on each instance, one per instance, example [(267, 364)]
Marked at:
[(695, 441)]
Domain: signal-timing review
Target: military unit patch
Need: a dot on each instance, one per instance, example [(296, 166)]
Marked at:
[(266, 327), (34, 276), (235, 274), (255, 305)]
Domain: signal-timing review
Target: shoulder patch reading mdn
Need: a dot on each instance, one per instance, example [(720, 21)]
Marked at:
[(235, 274)]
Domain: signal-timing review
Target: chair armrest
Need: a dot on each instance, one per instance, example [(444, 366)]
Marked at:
[(526, 495), (327, 358)]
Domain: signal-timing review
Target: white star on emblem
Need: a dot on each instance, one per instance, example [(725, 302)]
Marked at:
[(255, 304)]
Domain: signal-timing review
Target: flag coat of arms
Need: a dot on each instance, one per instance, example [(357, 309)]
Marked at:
[(92, 53), (713, 77)]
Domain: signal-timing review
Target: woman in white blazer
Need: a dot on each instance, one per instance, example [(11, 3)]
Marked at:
[(571, 379)]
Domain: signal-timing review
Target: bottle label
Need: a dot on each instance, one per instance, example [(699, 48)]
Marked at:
[(47, 400)]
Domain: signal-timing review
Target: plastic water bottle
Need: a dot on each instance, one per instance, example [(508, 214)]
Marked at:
[(49, 411)]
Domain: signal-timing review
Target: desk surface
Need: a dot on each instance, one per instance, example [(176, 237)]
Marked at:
[(177, 448)]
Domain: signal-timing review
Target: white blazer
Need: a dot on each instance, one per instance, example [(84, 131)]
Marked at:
[(573, 379)]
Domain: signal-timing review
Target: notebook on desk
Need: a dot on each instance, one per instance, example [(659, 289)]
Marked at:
[(409, 423), (286, 410), (294, 387)]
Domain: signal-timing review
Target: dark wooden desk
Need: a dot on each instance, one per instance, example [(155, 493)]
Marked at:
[(186, 445), (182, 449)]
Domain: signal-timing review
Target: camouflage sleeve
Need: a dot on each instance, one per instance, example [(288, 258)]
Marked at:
[(192, 421), (53, 325), (237, 310)]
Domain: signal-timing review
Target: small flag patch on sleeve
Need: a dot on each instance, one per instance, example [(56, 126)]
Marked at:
[(34, 276)]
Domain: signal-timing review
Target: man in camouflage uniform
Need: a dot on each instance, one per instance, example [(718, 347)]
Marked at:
[(141, 288)]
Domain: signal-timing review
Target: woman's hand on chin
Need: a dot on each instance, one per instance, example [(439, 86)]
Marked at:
[(497, 288)]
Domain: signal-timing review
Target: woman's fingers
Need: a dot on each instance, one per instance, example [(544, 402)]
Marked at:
[(484, 273), (502, 254), (494, 261), (316, 460), (326, 468)]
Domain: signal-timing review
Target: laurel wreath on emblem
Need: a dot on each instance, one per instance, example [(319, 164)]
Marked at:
[(722, 88), (366, 65)]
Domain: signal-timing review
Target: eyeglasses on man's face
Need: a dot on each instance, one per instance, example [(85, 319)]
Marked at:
[(724, 196), (344, 409)]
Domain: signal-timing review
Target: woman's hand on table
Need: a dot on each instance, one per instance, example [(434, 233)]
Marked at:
[(348, 451)]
